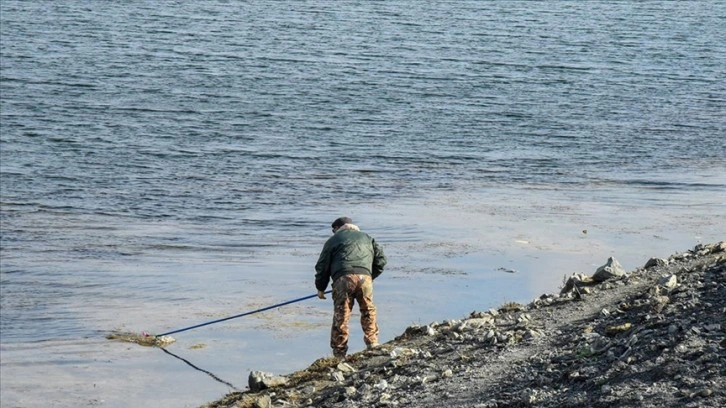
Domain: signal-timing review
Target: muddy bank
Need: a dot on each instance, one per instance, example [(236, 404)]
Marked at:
[(651, 337)]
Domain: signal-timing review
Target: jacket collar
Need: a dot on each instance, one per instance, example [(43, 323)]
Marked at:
[(351, 227)]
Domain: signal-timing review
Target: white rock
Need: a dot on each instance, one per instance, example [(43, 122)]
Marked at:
[(668, 281), (346, 368)]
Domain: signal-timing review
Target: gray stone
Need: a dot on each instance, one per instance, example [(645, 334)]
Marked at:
[(531, 334), (259, 380), (714, 327), (263, 401), (668, 281), (490, 334), (611, 269), (480, 322), (655, 262)]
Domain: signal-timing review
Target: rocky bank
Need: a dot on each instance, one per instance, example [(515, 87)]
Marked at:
[(653, 337)]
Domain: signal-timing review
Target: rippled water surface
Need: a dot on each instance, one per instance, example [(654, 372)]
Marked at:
[(166, 163)]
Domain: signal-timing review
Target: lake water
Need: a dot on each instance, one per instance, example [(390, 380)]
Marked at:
[(169, 163)]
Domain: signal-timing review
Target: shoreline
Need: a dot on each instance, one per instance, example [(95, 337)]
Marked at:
[(597, 343)]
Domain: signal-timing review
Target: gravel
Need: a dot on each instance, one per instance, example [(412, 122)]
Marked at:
[(652, 337)]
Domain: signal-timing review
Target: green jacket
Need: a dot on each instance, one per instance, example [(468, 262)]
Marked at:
[(348, 251)]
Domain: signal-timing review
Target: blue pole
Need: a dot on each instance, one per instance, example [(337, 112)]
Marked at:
[(239, 315)]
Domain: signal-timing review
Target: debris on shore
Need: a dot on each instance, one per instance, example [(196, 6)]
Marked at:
[(143, 339), (653, 337)]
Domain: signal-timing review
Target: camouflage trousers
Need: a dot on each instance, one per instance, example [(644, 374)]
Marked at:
[(346, 290)]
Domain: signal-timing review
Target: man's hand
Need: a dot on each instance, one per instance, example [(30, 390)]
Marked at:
[(321, 294)]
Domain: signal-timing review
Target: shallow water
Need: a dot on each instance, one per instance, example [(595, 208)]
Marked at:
[(169, 164)]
